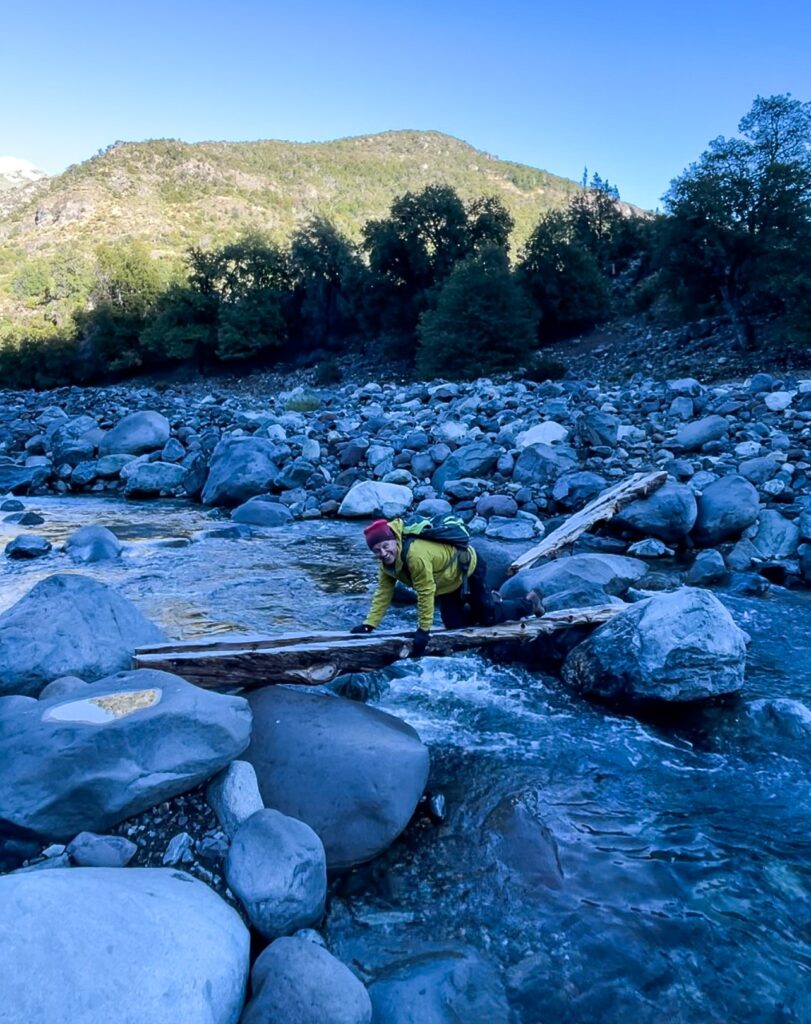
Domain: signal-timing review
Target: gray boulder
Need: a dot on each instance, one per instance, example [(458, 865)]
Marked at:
[(708, 568), (234, 795), (258, 512), (69, 625), (600, 575), (277, 868), (695, 435), (89, 850), (150, 479), (99, 944), (374, 498), (20, 479), (75, 440), (135, 739), (677, 647), (64, 686), (28, 545), (725, 509), (595, 428), (776, 537), (573, 490), (476, 459), (668, 514), (93, 544), (439, 985), (139, 432), (352, 773), (241, 467), (518, 846), (542, 464), (296, 981)]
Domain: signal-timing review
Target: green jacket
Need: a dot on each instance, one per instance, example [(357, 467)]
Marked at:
[(430, 569)]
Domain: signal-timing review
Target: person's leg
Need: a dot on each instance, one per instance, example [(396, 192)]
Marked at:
[(484, 611), (452, 610)]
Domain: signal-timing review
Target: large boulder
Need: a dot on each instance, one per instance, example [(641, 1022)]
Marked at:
[(352, 773), (277, 869), (475, 460), (93, 544), (295, 981), (696, 434), (373, 498), (725, 509), (150, 479), (677, 647), (669, 513), (121, 746), (135, 434), (241, 467), (595, 575), (20, 479), (541, 464), (260, 512), (69, 625), (95, 945), (439, 985), (776, 537)]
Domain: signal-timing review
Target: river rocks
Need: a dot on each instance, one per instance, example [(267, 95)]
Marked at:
[(89, 850), (725, 508), (20, 479), (776, 536), (151, 479), (28, 545), (674, 647), (69, 625), (277, 868), (135, 739), (471, 460), (241, 467), (93, 544), (139, 432), (296, 981), (234, 795), (668, 514), (594, 576), (261, 512), (439, 986), (708, 568), (371, 498), (519, 845), (541, 464), (351, 772), (695, 435), (103, 944), (542, 433)]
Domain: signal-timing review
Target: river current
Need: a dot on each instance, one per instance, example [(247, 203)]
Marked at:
[(613, 868)]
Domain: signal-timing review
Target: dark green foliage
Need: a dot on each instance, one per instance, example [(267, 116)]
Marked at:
[(740, 220), (544, 368), (481, 324), (328, 372), (563, 280), (326, 272), (39, 363)]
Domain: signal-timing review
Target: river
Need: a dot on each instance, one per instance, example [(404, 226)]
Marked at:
[(654, 870)]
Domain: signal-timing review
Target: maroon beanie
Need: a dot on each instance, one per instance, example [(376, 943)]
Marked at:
[(378, 531)]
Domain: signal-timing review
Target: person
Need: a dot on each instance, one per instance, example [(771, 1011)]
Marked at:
[(440, 574)]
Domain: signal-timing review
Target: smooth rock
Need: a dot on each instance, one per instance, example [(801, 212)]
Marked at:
[(258, 512), (150, 479), (27, 546), (373, 498), (668, 514), (89, 850), (234, 795), (695, 435), (240, 468), (93, 544), (139, 432), (725, 509)]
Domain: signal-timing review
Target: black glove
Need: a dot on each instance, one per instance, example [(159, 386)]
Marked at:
[(418, 643), (362, 628)]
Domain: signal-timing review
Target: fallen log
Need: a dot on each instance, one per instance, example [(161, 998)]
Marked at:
[(599, 510), (252, 661)]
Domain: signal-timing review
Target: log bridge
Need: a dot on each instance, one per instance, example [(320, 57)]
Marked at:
[(250, 661)]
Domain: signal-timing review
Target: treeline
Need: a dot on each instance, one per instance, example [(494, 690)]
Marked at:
[(433, 283)]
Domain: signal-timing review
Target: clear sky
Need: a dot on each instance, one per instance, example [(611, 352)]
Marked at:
[(632, 89)]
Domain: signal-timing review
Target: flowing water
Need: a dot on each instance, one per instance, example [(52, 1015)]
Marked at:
[(614, 868)]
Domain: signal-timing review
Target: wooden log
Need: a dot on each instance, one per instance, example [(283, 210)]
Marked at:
[(599, 510), (319, 658)]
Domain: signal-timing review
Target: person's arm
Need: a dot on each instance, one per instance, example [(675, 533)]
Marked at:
[(422, 579), (381, 600)]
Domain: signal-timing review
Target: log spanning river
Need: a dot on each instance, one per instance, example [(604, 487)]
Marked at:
[(611, 868)]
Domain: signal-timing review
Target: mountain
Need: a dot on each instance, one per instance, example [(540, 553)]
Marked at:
[(14, 172)]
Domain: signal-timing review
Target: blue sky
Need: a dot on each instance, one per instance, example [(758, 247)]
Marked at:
[(633, 90)]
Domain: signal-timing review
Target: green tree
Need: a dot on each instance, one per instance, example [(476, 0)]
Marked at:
[(739, 217), (481, 324), (325, 269)]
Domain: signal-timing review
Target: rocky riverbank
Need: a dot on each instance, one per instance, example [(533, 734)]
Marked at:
[(280, 788)]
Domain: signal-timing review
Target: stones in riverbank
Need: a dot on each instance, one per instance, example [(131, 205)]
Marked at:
[(352, 773), (93, 544), (135, 739), (69, 625), (102, 944), (674, 647)]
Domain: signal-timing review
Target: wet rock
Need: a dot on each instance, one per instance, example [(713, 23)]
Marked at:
[(708, 568), (151, 479), (86, 629), (299, 982), (601, 574), (139, 432), (668, 514), (352, 773), (20, 479), (135, 739), (27, 546), (93, 544), (142, 944), (725, 509), (234, 795), (89, 850), (776, 537), (517, 840), (675, 647), (783, 716), (439, 985), (241, 467), (277, 868), (372, 498)]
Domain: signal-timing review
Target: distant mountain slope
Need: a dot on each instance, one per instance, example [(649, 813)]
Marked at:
[(172, 194), (15, 172)]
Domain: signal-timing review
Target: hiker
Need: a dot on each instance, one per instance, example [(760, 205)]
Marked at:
[(451, 575)]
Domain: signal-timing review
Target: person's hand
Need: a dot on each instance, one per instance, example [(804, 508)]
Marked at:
[(418, 643), (362, 628)]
